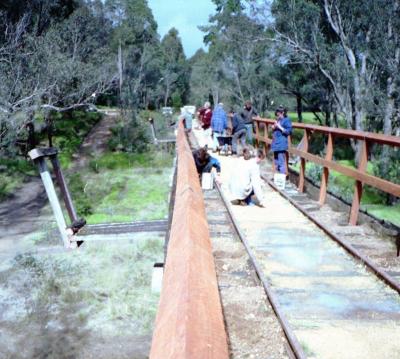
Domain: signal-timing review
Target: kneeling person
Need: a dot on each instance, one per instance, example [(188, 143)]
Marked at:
[(247, 181)]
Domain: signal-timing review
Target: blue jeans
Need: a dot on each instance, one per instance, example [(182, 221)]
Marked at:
[(280, 161), (248, 198), (249, 129)]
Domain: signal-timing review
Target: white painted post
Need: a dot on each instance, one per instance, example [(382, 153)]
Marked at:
[(55, 204)]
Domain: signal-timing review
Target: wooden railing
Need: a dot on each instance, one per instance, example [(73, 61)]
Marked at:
[(360, 175), (189, 323)]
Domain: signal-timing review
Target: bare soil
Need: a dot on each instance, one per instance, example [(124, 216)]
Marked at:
[(19, 214)]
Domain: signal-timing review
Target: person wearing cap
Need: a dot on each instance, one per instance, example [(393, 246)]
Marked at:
[(219, 123), (247, 114), (282, 129)]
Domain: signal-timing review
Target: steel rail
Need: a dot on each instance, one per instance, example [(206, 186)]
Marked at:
[(290, 336), (347, 246)]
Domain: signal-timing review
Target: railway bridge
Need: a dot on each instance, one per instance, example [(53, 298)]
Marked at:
[(296, 279), (307, 276)]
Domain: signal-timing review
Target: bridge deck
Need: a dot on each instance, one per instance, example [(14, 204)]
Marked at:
[(336, 307)]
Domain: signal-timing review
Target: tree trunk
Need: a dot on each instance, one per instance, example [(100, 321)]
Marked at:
[(49, 128), (328, 118), (299, 107), (166, 96)]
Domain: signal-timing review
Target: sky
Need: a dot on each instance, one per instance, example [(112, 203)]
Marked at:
[(185, 16)]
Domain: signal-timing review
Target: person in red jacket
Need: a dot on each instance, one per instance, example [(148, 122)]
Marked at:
[(204, 115)]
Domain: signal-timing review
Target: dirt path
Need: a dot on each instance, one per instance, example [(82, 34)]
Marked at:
[(19, 215)]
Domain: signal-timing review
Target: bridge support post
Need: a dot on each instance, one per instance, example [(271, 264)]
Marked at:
[(64, 189), (325, 173), (39, 156), (358, 186), (54, 203), (304, 147)]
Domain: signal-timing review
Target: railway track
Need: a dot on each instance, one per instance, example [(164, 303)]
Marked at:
[(327, 304)]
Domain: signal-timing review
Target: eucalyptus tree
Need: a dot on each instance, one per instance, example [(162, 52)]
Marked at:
[(174, 69), (242, 54), (135, 36), (342, 40), (56, 68)]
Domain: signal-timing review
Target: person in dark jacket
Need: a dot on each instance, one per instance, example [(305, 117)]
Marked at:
[(282, 129), (238, 131), (204, 162), (204, 116), (247, 114)]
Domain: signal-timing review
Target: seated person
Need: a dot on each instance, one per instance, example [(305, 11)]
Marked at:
[(204, 162), (246, 182)]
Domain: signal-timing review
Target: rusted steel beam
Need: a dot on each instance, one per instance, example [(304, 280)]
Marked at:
[(189, 321)]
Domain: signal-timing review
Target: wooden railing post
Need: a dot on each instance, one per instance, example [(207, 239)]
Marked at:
[(266, 138), (287, 156), (358, 186), (257, 133), (304, 147), (325, 171)]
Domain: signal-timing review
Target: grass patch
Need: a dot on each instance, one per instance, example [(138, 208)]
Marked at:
[(373, 200), (125, 187), (13, 172), (101, 290), (387, 213)]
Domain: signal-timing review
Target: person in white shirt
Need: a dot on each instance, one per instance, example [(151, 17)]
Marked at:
[(247, 181)]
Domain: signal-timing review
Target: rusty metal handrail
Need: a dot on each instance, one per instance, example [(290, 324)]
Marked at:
[(359, 175), (189, 321)]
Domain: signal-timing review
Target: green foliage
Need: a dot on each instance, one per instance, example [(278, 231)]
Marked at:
[(80, 198), (130, 135), (176, 100), (174, 70), (388, 165), (13, 172), (70, 131), (127, 187)]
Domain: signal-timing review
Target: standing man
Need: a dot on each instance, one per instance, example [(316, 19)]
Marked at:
[(247, 114), (219, 123), (238, 132)]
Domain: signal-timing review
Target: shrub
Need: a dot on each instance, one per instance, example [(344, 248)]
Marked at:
[(81, 201), (130, 135)]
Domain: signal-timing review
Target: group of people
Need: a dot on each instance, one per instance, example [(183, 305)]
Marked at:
[(245, 184), (222, 129)]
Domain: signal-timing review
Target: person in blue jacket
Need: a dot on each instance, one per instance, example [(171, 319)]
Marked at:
[(219, 123), (282, 129), (204, 162)]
